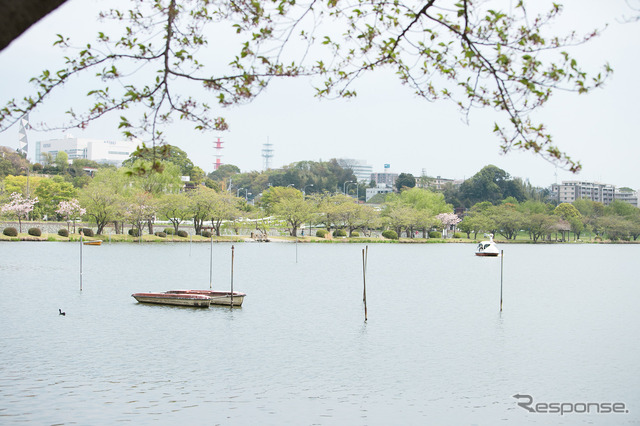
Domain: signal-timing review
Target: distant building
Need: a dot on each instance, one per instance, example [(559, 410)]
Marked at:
[(100, 151), (360, 169), (570, 191), (627, 197), (380, 189), (437, 182), (386, 179)]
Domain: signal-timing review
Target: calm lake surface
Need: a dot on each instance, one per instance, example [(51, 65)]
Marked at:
[(435, 348)]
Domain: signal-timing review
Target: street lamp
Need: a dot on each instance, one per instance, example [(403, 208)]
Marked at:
[(245, 193), (344, 191), (356, 184), (348, 188), (304, 192)]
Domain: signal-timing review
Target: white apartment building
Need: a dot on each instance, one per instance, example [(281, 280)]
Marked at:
[(360, 169), (98, 150), (627, 197), (380, 189), (570, 191)]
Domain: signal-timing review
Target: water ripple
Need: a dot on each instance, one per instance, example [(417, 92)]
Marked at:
[(434, 349)]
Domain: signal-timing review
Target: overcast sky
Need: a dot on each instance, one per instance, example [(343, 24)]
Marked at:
[(386, 123)]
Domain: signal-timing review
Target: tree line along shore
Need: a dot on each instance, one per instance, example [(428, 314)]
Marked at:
[(322, 202), (50, 234)]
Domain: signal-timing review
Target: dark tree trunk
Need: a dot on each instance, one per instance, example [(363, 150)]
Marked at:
[(197, 225)]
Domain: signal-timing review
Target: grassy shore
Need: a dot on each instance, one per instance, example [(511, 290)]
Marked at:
[(125, 238), (121, 238)]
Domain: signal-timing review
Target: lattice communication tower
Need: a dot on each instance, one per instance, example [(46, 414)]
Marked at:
[(267, 154)]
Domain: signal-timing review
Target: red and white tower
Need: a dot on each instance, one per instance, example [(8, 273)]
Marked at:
[(218, 147)]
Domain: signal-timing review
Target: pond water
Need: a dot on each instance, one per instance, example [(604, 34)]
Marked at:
[(435, 348)]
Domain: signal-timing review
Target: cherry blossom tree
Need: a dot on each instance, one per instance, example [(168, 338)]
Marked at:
[(19, 207), (449, 220), (70, 210)]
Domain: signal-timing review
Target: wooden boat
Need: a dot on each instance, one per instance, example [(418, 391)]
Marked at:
[(217, 297), (92, 243), (487, 248), (195, 300)]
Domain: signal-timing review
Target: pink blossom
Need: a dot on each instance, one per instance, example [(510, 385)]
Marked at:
[(448, 218), (70, 209), (19, 206)]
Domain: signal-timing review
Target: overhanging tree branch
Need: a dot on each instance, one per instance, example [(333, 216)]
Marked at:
[(470, 54)]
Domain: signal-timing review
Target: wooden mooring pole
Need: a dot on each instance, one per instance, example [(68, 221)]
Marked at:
[(211, 264), (81, 260), (365, 253), (232, 254), (501, 275)]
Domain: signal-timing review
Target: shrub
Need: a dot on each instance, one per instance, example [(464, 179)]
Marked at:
[(161, 234), (457, 235), (182, 234), (63, 232), (435, 234), (206, 234), (87, 232), (35, 232), (339, 233), (10, 232), (355, 234), (169, 231), (133, 232), (390, 234), (321, 233)]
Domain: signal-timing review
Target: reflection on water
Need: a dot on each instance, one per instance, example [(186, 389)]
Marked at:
[(434, 350)]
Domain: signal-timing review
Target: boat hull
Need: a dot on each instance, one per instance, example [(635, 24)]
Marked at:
[(93, 243), (487, 254), (193, 300), (217, 297)]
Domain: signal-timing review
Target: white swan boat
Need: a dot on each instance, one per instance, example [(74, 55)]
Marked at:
[(487, 248)]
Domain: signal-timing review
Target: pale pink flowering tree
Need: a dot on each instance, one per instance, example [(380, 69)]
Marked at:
[(19, 207), (70, 210), (449, 220)]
